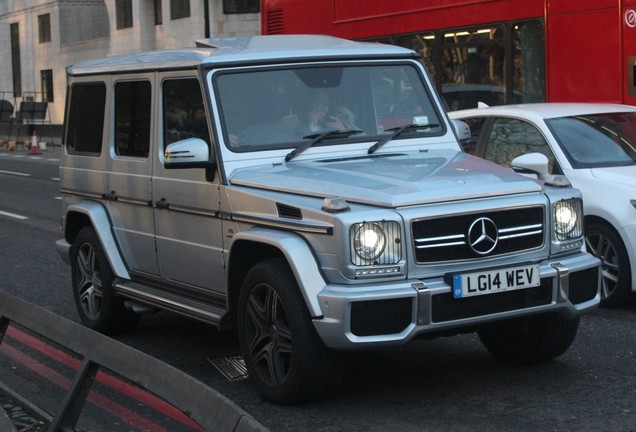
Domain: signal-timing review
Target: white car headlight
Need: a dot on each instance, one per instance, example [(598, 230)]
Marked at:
[(375, 243), (568, 219)]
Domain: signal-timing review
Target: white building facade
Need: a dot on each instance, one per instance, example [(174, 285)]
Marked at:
[(40, 38)]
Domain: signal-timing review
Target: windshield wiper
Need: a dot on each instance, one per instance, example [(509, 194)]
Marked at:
[(316, 138), (397, 131)]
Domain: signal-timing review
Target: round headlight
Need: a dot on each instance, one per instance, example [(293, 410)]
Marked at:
[(566, 219), (369, 241)]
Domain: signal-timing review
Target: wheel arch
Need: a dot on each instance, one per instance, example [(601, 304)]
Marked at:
[(88, 213), (255, 245)]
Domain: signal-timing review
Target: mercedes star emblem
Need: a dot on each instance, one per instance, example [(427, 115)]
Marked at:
[(483, 236)]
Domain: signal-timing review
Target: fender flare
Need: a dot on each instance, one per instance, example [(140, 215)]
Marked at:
[(98, 217), (300, 258)]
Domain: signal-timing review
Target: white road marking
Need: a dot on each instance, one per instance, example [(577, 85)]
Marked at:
[(13, 215), (15, 173)]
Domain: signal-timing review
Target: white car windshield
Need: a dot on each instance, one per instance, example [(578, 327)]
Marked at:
[(597, 140), (288, 107)]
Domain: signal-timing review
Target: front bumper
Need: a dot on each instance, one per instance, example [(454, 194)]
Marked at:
[(388, 314)]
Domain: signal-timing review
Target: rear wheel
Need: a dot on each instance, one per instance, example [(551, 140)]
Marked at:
[(284, 356), (531, 339), (605, 244), (98, 306)]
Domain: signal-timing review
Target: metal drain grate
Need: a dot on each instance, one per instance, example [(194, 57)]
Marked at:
[(232, 368)]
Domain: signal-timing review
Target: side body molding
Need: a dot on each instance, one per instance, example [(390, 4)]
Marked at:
[(300, 258)]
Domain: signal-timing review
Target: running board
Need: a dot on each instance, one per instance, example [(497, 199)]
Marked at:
[(169, 301)]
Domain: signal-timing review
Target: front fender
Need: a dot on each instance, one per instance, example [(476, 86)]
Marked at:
[(96, 214), (300, 258)]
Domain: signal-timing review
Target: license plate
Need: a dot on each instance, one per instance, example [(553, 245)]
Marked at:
[(494, 281)]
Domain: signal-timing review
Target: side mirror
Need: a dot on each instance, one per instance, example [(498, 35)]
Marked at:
[(187, 153), (537, 164), (531, 163), (462, 131)]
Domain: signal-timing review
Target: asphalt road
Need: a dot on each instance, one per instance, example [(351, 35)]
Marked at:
[(446, 384)]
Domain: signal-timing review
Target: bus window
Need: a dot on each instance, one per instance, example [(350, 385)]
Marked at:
[(423, 43), (473, 67), (528, 62)]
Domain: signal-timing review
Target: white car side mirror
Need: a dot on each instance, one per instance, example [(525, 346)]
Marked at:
[(535, 163)]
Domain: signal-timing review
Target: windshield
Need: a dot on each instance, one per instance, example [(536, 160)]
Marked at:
[(286, 108), (597, 140)]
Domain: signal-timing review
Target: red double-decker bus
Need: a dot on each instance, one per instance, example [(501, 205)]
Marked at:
[(495, 51)]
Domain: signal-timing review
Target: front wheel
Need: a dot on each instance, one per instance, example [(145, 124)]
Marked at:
[(531, 339), (284, 356), (98, 306), (605, 244)]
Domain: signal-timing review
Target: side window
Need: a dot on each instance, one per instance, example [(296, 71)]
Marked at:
[(476, 124), (510, 138), (86, 118), (132, 118), (183, 111)]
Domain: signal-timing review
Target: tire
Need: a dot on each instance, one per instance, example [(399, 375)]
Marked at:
[(529, 340), (616, 283), (98, 306), (284, 356)]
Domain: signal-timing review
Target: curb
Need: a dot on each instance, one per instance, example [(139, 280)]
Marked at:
[(190, 400)]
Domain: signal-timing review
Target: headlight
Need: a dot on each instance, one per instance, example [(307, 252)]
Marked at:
[(375, 243), (568, 219)]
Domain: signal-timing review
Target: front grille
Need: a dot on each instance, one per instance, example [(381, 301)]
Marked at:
[(583, 285), (447, 308), (448, 239), (381, 317)]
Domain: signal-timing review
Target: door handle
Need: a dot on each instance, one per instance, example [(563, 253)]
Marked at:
[(110, 196), (162, 204)]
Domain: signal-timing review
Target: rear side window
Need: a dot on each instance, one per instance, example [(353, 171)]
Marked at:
[(132, 118), (85, 123)]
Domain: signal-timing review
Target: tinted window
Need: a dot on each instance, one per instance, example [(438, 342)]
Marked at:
[(85, 124), (597, 140), (183, 111), (132, 118), (510, 138)]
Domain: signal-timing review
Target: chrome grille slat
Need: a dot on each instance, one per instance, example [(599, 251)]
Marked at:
[(446, 238)]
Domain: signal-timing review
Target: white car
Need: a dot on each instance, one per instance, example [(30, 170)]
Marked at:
[(594, 146)]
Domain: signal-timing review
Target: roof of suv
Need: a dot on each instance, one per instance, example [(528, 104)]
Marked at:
[(244, 49)]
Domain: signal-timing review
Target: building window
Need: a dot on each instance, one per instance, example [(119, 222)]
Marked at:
[(16, 67), (241, 6), (123, 11), (44, 28), (179, 9), (158, 15), (46, 81)]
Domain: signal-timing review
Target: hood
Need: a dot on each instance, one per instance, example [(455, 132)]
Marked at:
[(390, 180), (625, 175)]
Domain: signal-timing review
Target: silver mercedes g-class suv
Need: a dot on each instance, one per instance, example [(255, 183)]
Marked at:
[(310, 192)]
